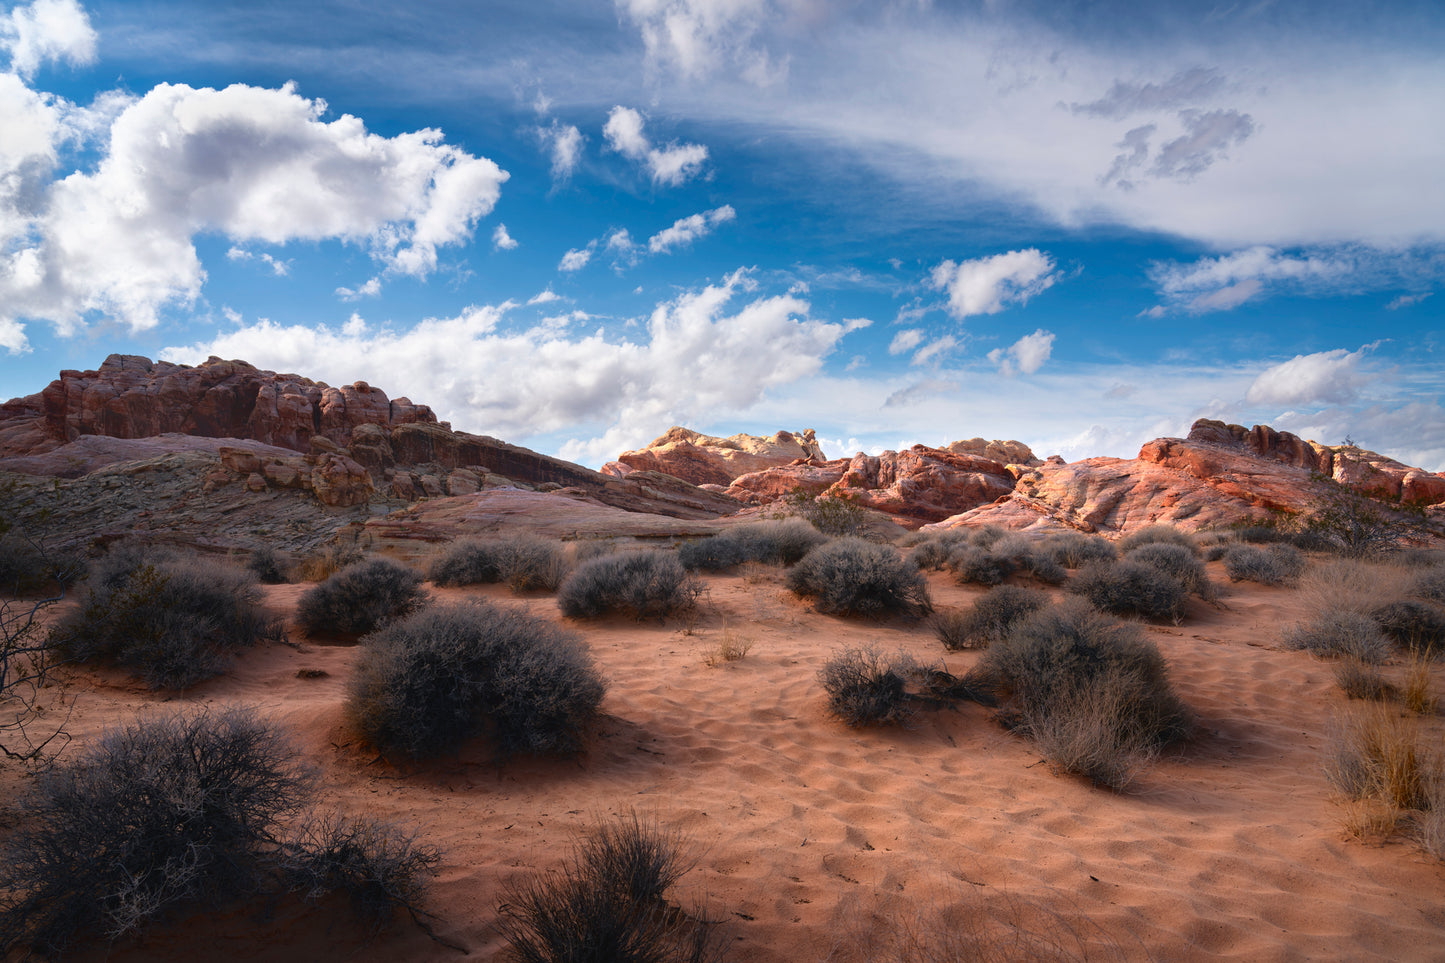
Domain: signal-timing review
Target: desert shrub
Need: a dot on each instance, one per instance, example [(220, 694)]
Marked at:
[(1075, 549), (1376, 754), (849, 576), (1360, 680), (1360, 525), (866, 689), (1336, 632), (979, 566), (379, 866), (468, 561), (1355, 585), (1130, 588), (642, 584), (325, 563), (1157, 535), (427, 683), (360, 597), (992, 617), (779, 542), (593, 548), (266, 564), (933, 550), (716, 553), (1275, 565), (607, 903), (1043, 568), (163, 815), (1418, 626), (1095, 691), (525, 563), (1177, 562), (173, 621), (1429, 584), (28, 565)]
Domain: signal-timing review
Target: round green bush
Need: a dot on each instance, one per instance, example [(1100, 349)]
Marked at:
[(849, 576)]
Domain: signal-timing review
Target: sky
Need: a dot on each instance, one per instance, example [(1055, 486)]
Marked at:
[(571, 225)]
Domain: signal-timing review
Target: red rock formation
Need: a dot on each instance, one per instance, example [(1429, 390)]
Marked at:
[(706, 460), (921, 483), (1221, 474), (351, 441)]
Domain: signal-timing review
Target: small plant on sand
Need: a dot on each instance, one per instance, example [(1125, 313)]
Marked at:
[(1092, 692), (1275, 565), (1416, 626), (849, 576), (266, 564), (427, 683), (992, 617), (173, 813), (608, 902), (1361, 680), (359, 598), (1415, 692), (730, 647), (778, 542), (865, 688), (1075, 549), (979, 566), (173, 621), (1389, 779), (1131, 588), (648, 584)]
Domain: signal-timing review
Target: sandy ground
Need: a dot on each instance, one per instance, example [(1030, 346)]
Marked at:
[(812, 836)]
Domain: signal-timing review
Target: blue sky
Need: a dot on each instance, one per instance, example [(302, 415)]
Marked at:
[(572, 225)]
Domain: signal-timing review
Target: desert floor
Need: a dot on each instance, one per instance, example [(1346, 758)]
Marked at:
[(814, 840)]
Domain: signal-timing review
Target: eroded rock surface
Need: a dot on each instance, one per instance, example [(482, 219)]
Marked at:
[(707, 460)]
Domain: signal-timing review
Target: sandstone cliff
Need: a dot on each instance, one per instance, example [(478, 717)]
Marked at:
[(707, 460)]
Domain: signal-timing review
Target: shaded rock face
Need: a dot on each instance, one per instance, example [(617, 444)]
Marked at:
[(352, 443), (921, 483), (1219, 475), (707, 460)]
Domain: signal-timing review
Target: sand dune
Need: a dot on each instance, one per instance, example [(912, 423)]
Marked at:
[(810, 836)]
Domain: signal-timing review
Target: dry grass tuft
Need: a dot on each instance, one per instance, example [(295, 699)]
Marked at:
[(1389, 780), (1415, 693), (730, 647)]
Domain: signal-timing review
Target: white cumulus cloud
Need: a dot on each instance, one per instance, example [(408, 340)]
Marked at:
[(47, 30), (1024, 356), (671, 165), (252, 165), (699, 357), (688, 229), (987, 285), (1325, 377), (503, 241), (564, 145), (576, 259)]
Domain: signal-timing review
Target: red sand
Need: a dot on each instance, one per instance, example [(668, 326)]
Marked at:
[(811, 834)]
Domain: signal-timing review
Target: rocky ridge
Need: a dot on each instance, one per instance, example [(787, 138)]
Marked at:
[(708, 460)]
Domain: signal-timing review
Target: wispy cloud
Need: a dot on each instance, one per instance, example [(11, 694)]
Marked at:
[(671, 165), (688, 229)]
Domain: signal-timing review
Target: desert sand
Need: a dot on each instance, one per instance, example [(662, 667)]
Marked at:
[(812, 838)]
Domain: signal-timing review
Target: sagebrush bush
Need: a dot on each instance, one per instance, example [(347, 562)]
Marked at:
[(1429, 584), (1276, 565), (979, 566), (172, 813), (1177, 562), (849, 576), (1075, 549), (1131, 588), (1360, 680), (642, 584), (267, 565), (1159, 534), (607, 903), (427, 683), (1336, 632), (524, 563), (1094, 690), (28, 565), (325, 563), (866, 688), (1418, 626), (933, 550), (780, 542), (992, 617), (360, 597), (173, 621)]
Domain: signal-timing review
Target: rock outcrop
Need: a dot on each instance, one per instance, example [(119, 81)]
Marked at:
[(707, 460), (919, 484), (1004, 452), (1219, 475), (347, 446)]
